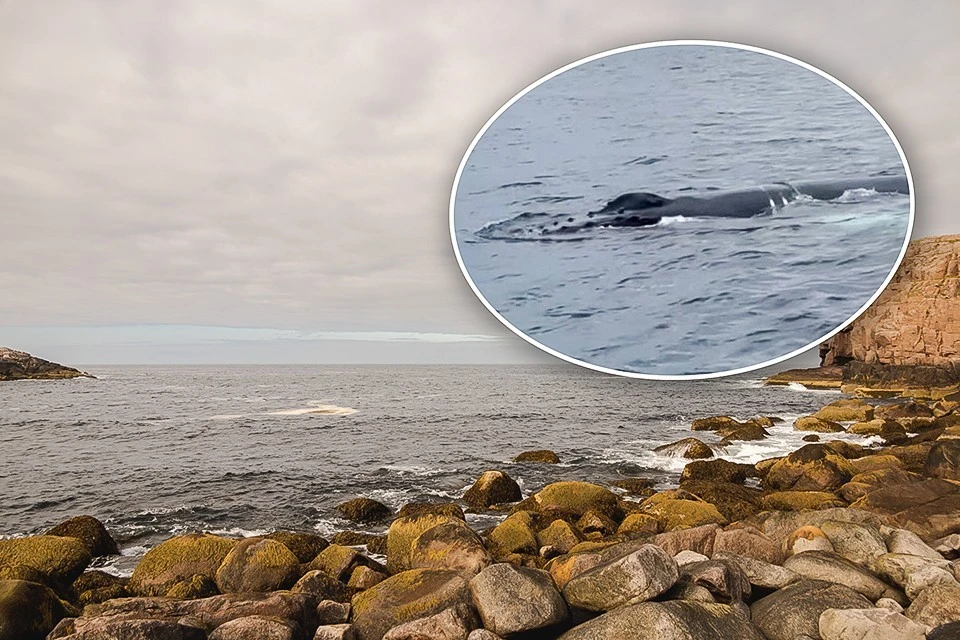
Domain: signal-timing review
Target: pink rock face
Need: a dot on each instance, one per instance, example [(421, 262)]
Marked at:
[(916, 321)]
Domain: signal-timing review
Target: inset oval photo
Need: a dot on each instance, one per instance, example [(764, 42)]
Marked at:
[(681, 209)]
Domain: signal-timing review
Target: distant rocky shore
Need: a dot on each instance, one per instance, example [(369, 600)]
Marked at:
[(834, 541), (20, 365)]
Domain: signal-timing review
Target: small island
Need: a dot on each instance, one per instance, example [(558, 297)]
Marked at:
[(20, 365)]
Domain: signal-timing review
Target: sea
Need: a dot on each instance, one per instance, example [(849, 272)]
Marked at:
[(688, 296), (244, 450)]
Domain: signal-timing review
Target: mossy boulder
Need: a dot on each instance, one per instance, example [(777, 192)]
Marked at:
[(639, 524), (913, 456), (304, 545), (812, 467), (407, 596), (571, 499), (373, 542), (814, 423), (338, 561), (404, 532), (57, 560), (94, 587), (90, 532), (715, 422), (561, 535), (178, 560), (322, 587), (515, 535), (846, 410), (257, 565), (452, 545), (716, 471), (364, 510), (544, 456), (492, 487), (634, 486), (735, 501), (749, 431), (901, 410), (800, 500), (674, 514), (450, 509), (29, 611)]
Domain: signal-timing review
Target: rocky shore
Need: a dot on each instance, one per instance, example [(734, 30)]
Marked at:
[(20, 365), (836, 540)]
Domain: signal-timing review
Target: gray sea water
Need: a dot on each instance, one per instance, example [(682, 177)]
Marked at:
[(689, 295), (156, 451)]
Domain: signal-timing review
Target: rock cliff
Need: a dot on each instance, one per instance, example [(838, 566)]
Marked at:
[(19, 365)]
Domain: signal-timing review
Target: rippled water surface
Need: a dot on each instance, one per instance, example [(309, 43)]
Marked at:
[(161, 450), (689, 295)]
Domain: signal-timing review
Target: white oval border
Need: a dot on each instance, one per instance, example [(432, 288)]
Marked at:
[(668, 43)]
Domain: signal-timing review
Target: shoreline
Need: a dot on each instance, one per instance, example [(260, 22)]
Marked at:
[(575, 544)]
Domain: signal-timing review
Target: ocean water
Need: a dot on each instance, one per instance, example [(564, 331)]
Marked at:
[(157, 451), (689, 295)]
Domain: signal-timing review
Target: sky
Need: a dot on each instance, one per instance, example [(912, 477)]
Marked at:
[(236, 181)]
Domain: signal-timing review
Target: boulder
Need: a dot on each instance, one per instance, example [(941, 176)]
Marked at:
[(331, 612), (259, 627), (812, 467), (725, 580), (374, 543), (335, 632), (928, 576), (483, 634), (454, 623), (338, 561), (868, 624), (943, 461), (904, 541), (896, 567), (749, 542), (936, 606), (635, 486), (691, 448), (544, 456), (256, 566), (28, 611), (571, 499), (875, 463), (450, 509), (322, 586), (365, 510), (514, 535), (492, 487), (403, 533), (930, 508), (794, 611), (859, 543), (846, 410), (362, 578), (568, 566), (699, 539), (54, 560), (807, 538), (513, 600), (749, 431), (673, 514), (93, 587), (800, 500), (452, 545), (635, 577), (909, 409), (673, 620), (818, 425), (734, 501), (716, 471), (305, 546), (759, 573), (688, 557), (560, 535), (639, 523), (714, 423), (179, 561), (90, 532), (407, 596), (948, 546), (830, 567), (103, 629)]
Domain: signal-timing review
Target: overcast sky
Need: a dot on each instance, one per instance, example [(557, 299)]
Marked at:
[(206, 181)]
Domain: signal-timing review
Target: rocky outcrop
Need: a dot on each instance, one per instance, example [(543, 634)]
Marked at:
[(20, 365)]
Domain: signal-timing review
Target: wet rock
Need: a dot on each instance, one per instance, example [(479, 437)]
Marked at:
[(492, 487), (544, 456), (450, 509), (322, 586), (859, 543), (55, 560), (868, 624), (691, 448), (305, 546), (404, 531), (374, 543), (876, 462), (749, 431), (407, 596), (258, 627), (812, 467), (936, 606), (570, 499), (638, 576), (846, 410), (179, 560), (28, 611), (759, 573), (560, 535), (811, 437), (750, 542), (716, 471), (335, 632), (674, 620), (930, 508), (830, 567), (514, 535), (725, 580), (365, 510), (90, 532), (514, 600), (594, 522), (819, 425), (257, 566), (635, 486), (452, 545), (714, 423), (454, 623), (794, 611), (943, 461)]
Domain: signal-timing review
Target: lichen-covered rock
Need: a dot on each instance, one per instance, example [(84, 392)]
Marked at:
[(304, 545), (362, 578), (807, 538), (259, 627), (544, 456), (93, 587), (749, 431), (90, 532), (179, 560), (338, 561), (28, 611), (860, 543), (759, 573), (830, 567), (571, 499), (365, 510), (794, 611), (57, 560), (714, 423), (257, 566), (514, 535), (896, 567), (943, 461), (846, 410), (868, 624), (735, 501), (716, 471), (812, 467), (635, 486), (930, 508), (452, 545), (454, 623), (747, 541), (673, 514), (403, 533), (935, 606), (514, 600), (492, 487), (699, 539), (819, 425), (450, 509), (800, 500), (674, 620), (639, 523), (322, 586), (407, 596), (560, 535), (635, 577), (373, 542)]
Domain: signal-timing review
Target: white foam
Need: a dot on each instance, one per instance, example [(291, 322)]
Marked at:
[(668, 220), (323, 409), (856, 195)]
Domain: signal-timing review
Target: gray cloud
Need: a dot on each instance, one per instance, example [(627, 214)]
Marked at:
[(288, 164)]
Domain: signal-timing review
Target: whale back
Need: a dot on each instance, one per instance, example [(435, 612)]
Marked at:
[(635, 202)]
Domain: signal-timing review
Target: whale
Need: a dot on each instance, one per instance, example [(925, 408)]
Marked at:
[(643, 209)]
